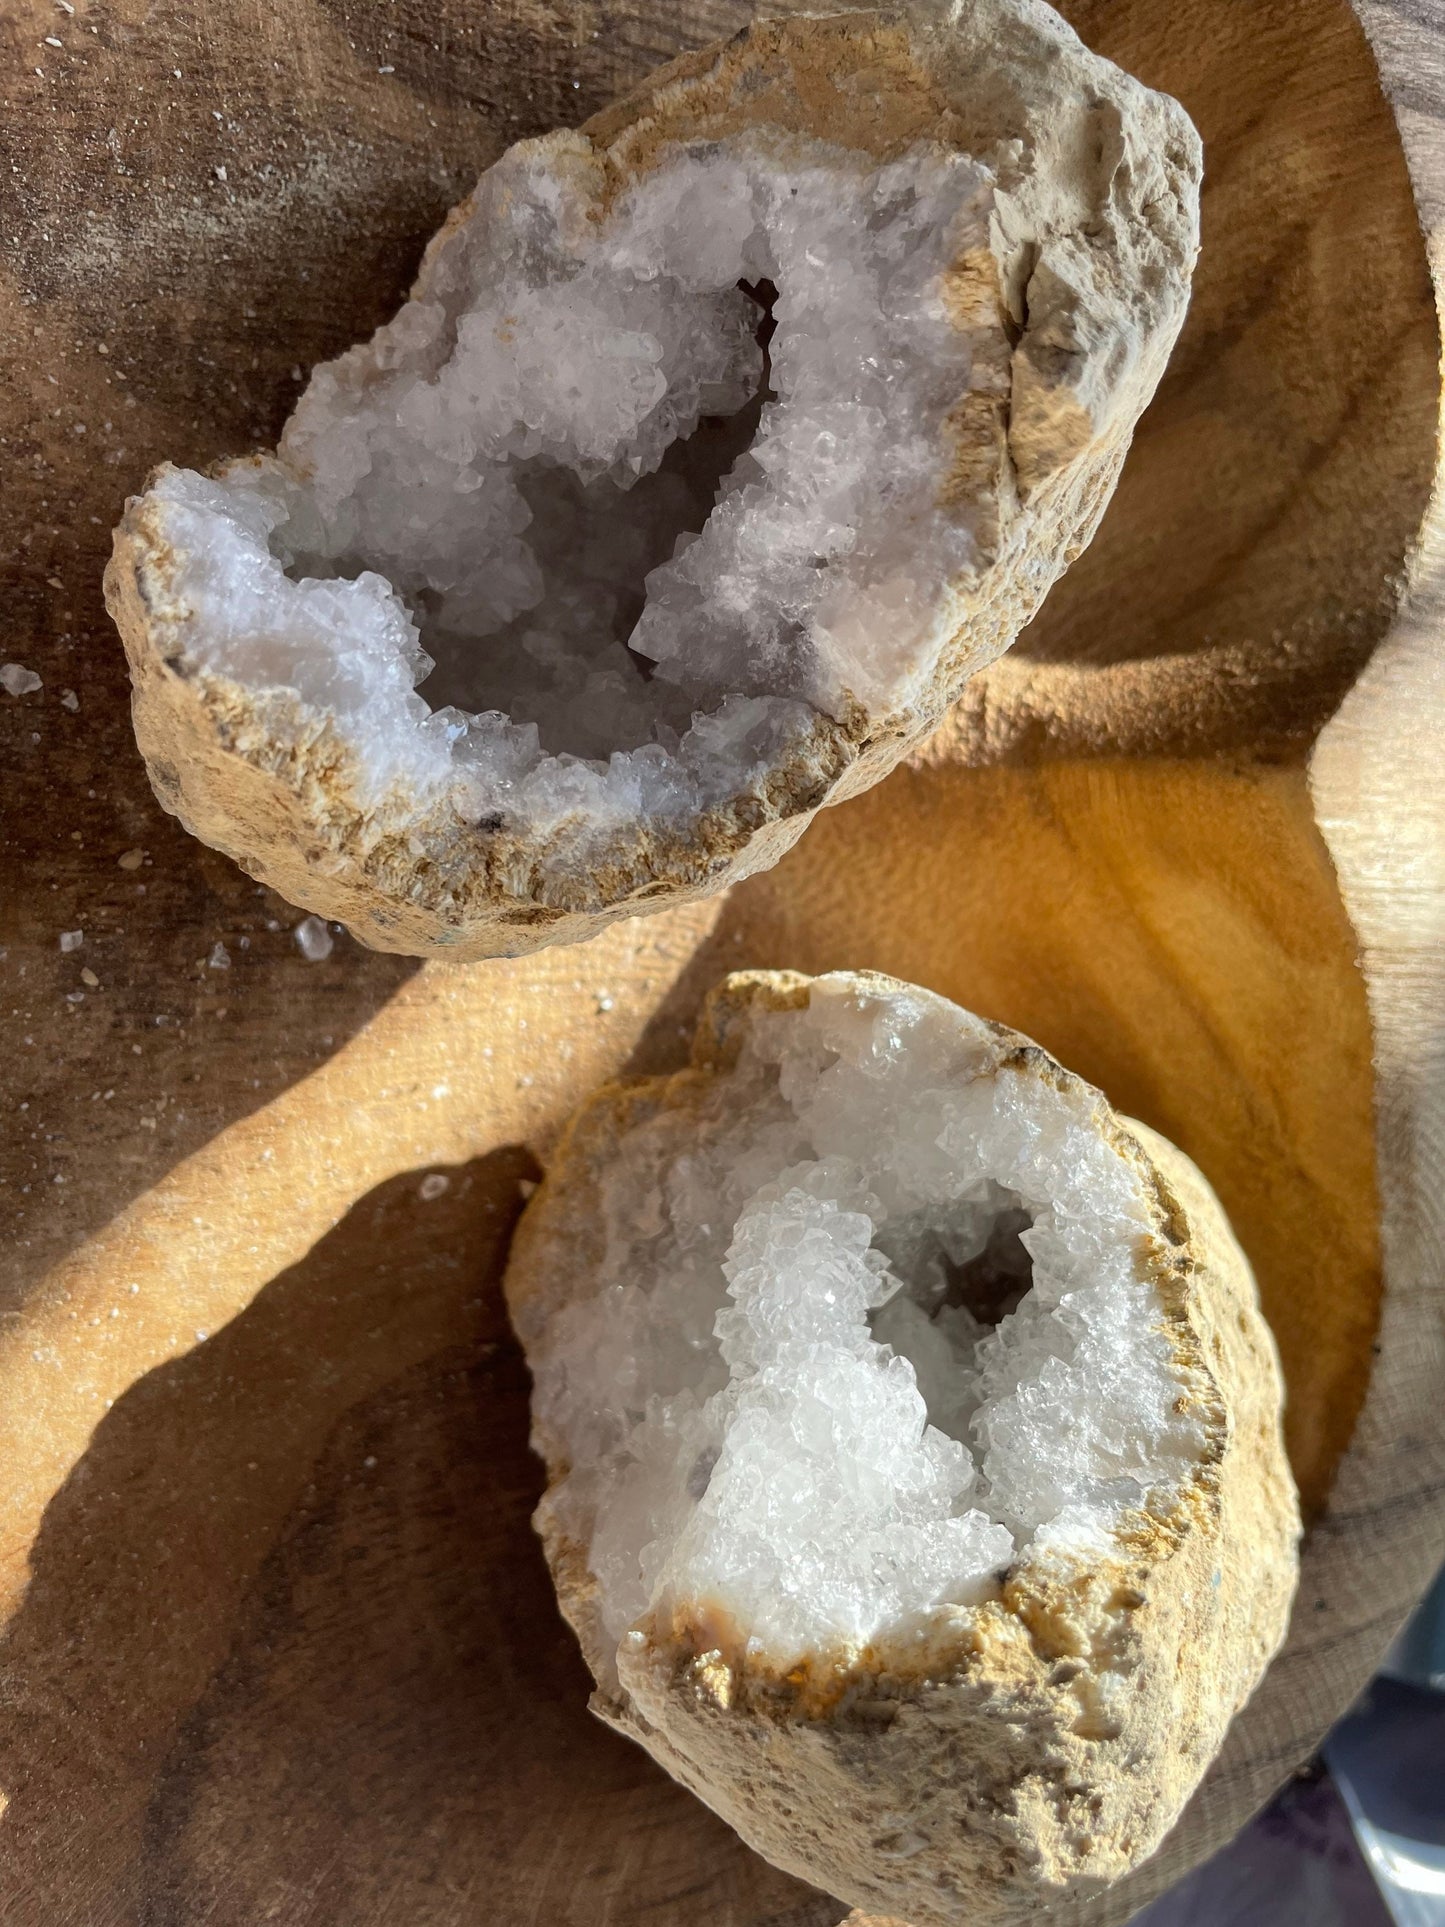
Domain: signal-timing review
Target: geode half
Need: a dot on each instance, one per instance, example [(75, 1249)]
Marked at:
[(916, 1485), (718, 444)]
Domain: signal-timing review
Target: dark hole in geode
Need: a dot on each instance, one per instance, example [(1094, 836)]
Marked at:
[(960, 1298), (988, 1285), (618, 534), (992, 1284)]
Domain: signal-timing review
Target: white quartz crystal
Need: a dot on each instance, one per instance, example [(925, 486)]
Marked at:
[(313, 939), (871, 1323), (572, 541)]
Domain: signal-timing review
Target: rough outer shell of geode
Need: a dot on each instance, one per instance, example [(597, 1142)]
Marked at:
[(916, 1486), (719, 443)]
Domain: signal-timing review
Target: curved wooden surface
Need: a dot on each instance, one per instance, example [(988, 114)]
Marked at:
[(280, 1645)]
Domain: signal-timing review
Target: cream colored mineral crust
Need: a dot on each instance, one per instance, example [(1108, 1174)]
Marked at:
[(916, 1486), (718, 444)]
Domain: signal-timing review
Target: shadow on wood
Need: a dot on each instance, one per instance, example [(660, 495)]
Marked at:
[(403, 1726), (317, 1525)]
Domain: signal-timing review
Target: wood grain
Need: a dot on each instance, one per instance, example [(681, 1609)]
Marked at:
[(250, 1677)]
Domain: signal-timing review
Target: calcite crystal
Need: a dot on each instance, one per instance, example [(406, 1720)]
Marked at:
[(719, 442), (916, 1482)]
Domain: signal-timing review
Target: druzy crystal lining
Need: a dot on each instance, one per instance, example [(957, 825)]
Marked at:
[(869, 1326), (625, 495)]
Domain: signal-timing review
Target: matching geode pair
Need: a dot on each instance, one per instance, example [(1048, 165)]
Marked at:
[(916, 1486)]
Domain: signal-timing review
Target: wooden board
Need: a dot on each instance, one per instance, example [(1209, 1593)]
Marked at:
[(280, 1645)]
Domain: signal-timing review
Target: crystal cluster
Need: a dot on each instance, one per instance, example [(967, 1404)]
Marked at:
[(870, 1323), (614, 506)]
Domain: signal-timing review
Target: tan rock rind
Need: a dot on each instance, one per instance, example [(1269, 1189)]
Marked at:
[(1074, 306), (1045, 1742)]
